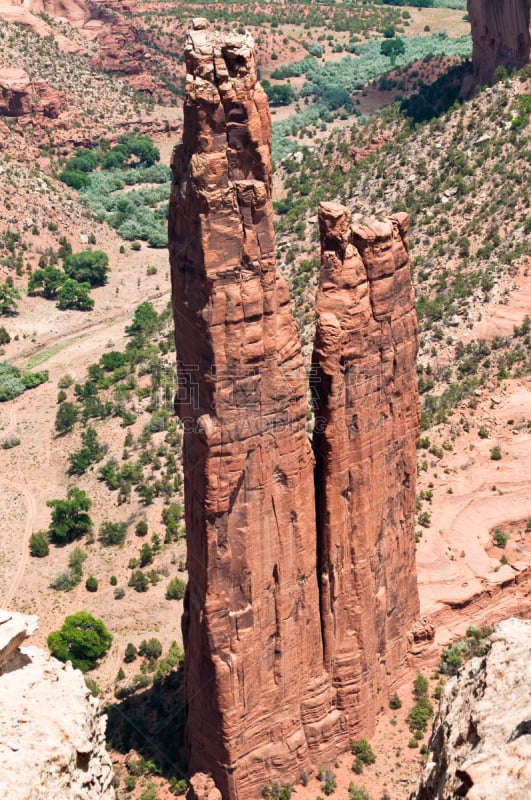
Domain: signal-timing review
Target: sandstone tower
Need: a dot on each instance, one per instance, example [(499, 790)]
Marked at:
[(266, 697)]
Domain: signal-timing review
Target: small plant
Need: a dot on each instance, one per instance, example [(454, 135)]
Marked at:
[(395, 702), (364, 755), (175, 589), (500, 538), (495, 454), (113, 580), (138, 581), (91, 584), (150, 649), (358, 792), (130, 653), (119, 593), (483, 433), (39, 544)]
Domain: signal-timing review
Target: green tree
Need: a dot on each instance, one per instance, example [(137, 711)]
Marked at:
[(392, 48), (145, 320), (89, 266), (50, 279), (74, 178), (82, 640), (73, 294), (8, 298), (70, 519), (39, 544), (66, 417), (90, 453)]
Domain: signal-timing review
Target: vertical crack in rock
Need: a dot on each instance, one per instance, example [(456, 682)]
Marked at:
[(364, 386), (500, 35), (258, 700)]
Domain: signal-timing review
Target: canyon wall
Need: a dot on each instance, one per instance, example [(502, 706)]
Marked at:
[(266, 697), (480, 747), (500, 35), (259, 704), (366, 427)]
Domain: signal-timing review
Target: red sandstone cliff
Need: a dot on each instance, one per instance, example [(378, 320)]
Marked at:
[(366, 428), (21, 95), (500, 34), (259, 704)]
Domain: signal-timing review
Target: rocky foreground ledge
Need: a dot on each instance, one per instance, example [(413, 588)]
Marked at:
[(481, 742), (52, 737)]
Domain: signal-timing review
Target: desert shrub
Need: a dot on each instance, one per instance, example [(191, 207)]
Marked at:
[(495, 454), (141, 528), (363, 751), (395, 702), (119, 593), (146, 555), (39, 544), (459, 652), (138, 581), (5, 338), (112, 533), (130, 653), (14, 381), (91, 584), (358, 792), (175, 589), (150, 648), (500, 538), (82, 639)]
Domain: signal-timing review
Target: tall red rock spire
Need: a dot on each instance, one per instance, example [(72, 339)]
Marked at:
[(366, 428), (259, 703)]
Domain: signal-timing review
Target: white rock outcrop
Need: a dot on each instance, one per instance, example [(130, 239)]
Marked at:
[(52, 736), (480, 747)]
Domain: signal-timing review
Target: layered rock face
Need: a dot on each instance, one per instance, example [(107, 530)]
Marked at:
[(366, 427), (265, 698), (20, 95), (259, 703), (76, 12), (500, 35), (52, 737), (481, 742)]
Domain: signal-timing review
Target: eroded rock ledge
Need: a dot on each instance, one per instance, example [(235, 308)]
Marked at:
[(52, 736), (481, 742)]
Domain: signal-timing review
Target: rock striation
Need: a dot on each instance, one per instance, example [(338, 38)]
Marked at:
[(266, 698), (500, 36), (52, 737), (258, 698), (366, 428), (480, 747)]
